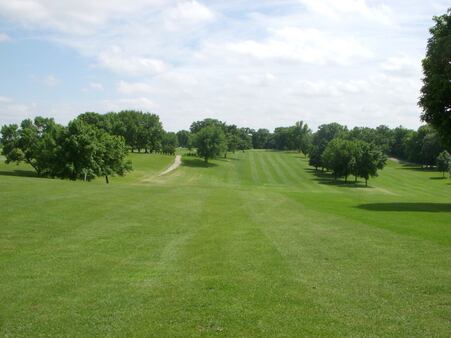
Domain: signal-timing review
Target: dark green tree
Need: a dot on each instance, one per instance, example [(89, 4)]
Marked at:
[(210, 141), (444, 162), (368, 160), (435, 98)]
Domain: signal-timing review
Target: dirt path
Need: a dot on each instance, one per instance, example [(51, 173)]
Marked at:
[(175, 165)]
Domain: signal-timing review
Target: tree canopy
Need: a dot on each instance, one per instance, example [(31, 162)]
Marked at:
[(435, 96)]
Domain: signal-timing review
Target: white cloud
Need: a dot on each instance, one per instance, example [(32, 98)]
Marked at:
[(4, 37), (343, 9), (118, 61), (14, 112), (138, 103), (188, 12), (50, 81), (403, 66), (303, 45), (96, 86), (134, 88), (75, 17)]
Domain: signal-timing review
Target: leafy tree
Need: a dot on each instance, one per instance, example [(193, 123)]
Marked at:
[(184, 138), (444, 162), (339, 157), (435, 96), (198, 125), (210, 142), (88, 152), (301, 134), (35, 142), (260, 139), (325, 134), (315, 157), (368, 159), (401, 137), (169, 143)]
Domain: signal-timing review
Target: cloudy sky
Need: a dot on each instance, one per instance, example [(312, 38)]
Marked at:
[(261, 63)]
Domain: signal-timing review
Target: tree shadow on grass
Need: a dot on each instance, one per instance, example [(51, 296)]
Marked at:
[(416, 167), (327, 179), (197, 163), (405, 206), (438, 178), (19, 173)]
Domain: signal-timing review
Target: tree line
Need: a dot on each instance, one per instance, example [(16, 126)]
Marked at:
[(90, 145), (97, 145)]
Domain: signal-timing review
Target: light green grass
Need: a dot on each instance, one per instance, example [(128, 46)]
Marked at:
[(252, 245)]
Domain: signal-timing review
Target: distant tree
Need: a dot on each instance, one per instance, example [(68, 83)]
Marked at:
[(34, 142), (208, 122), (400, 139), (325, 134), (183, 138), (430, 149), (169, 143), (383, 138), (368, 160), (315, 157), (260, 139), (339, 157), (210, 141), (87, 152), (301, 134), (444, 162), (435, 96), (244, 139)]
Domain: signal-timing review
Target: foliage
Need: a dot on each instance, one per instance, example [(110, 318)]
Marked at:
[(169, 143), (210, 142), (435, 96), (79, 150), (444, 162), (184, 139)]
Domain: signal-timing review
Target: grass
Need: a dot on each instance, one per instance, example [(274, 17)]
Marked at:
[(254, 245)]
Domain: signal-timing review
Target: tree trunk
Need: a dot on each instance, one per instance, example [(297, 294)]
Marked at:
[(206, 159), (106, 179), (355, 179), (225, 154), (346, 178), (366, 182)]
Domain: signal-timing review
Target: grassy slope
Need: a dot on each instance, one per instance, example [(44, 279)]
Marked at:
[(253, 245)]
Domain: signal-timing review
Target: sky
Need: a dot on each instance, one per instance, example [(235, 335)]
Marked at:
[(259, 64)]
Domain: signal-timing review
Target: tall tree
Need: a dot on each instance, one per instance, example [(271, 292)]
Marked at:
[(301, 134), (368, 160), (444, 162), (210, 141), (435, 96)]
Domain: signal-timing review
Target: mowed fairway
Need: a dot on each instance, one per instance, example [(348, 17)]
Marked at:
[(252, 245)]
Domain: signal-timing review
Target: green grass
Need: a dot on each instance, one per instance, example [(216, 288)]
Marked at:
[(253, 245)]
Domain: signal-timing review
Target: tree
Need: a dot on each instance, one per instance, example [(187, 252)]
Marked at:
[(210, 142), (260, 139), (400, 139), (339, 157), (169, 143), (301, 134), (325, 134), (184, 138), (34, 142), (444, 162), (87, 152), (315, 157), (368, 159), (435, 98)]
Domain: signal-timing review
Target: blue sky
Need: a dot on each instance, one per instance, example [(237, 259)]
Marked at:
[(253, 63)]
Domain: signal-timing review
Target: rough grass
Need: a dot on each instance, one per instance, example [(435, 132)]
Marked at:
[(254, 245)]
